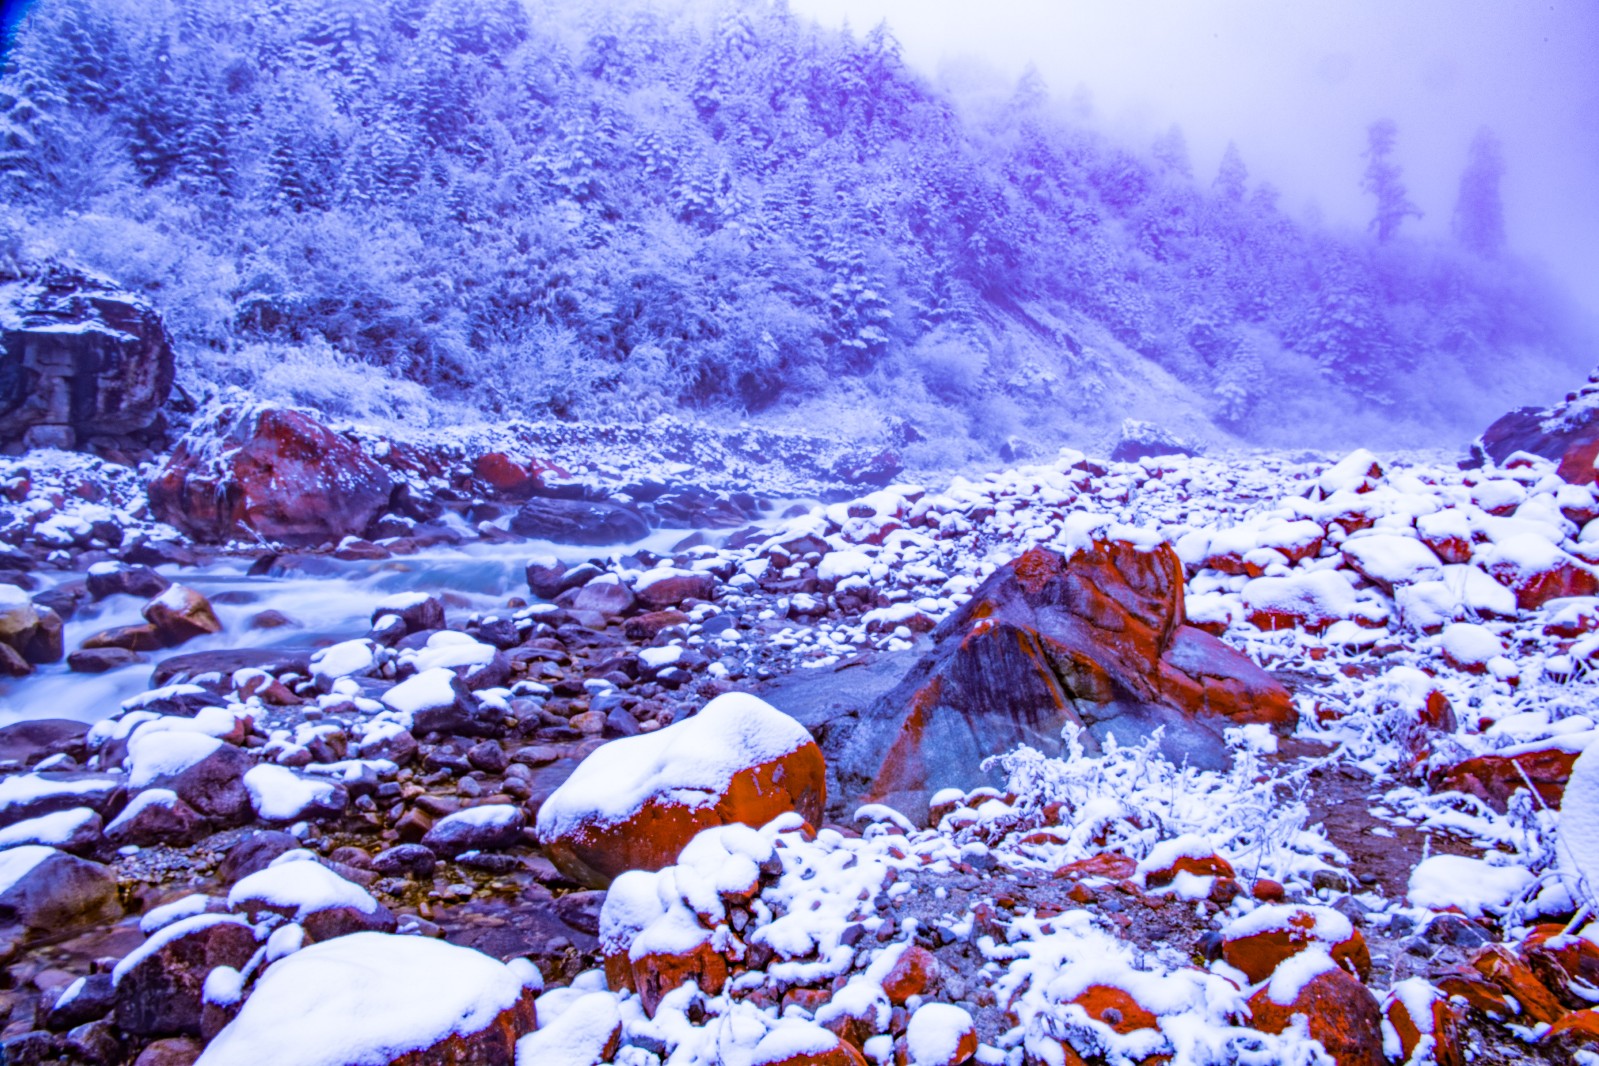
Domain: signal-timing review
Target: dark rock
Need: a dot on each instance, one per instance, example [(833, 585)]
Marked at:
[(174, 823), (160, 994), (269, 472), (489, 828), (581, 910), (57, 891), (174, 1051), (465, 716), (578, 522), (177, 669), (1142, 440), (123, 579), (214, 786), (63, 599), (160, 553), (94, 998), (423, 615), (488, 756), (253, 854), (1566, 432), (29, 741), (31, 1049), (96, 1043), (80, 357), (406, 860), (134, 638), (100, 660)]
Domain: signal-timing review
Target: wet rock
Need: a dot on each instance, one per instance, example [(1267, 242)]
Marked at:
[(159, 986), (663, 588), (581, 910), (194, 667), (270, 472), (1096, 640), (506, 478), (180, 614), (100, 660), (133, 638), (213, 784), (29, 741), (578, 522), (46, 644), (96, 1043), (112, 579), (606, 595), (418, 612), (80, 357), (46, 889)]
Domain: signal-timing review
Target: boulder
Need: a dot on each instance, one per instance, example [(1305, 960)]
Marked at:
[(79, 358), (205, 773), (1566, 432), (400, 1000), (267, 472), (319, 900), (157, 816), (636, 802), (180, 614), (45, 889), (112, 579), (33, 739), (578, 521), (1258, 942), (667, 587), (1494, 778), (1096, 640), (1145, 440), (159, 984), (506, 478), (1338, 1009)]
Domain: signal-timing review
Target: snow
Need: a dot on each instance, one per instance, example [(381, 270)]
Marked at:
[(1475, 886), (18, 790), (153, 755), (837, 565), (934, 1034), (16, 863), (692, 762), (1320, 595), (1579, 823), (578, 1036), (49, 829), (428, 690), (349, 658), (278, 794), (448, 649), (157, 918), (660, 658), (1470, 644), (298, 887), (1324, 924), (363, 999), (150, 797), (1295, 972)]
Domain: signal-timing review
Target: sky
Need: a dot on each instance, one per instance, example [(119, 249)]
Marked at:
[(1296, 82)]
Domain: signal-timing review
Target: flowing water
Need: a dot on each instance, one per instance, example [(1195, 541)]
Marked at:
[(327, 600)]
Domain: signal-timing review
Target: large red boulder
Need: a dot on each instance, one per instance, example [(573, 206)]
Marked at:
[(635, 803), (268, 472), (1567, 433), (1338, 1011), (1096, 639), (1494, 778)]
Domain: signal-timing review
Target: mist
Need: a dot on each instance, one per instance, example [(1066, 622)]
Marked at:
[(1295, 86)]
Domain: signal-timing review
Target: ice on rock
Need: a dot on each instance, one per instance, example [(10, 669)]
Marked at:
[(362, 1000)]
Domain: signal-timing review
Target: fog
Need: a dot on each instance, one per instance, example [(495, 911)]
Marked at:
[(1295, 85)]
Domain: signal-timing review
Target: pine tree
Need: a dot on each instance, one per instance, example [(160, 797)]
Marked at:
[(1232, 177), (1171, 152), (1382, 180), (1479, 220)]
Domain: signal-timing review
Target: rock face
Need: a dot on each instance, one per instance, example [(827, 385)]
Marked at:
[(1097, 640), (636, 802), (79, 358), (1567, 432), (269, 472)]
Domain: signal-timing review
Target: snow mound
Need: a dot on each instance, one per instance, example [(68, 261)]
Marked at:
[(363, 999)]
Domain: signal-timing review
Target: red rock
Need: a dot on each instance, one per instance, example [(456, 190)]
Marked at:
[(1475, 990), (1569, 438), (1501, 966), (1339, 1012), (1116, 1008), (1493, 778), (269, 472), (1449, 550), (1560, 961), (1109, 864), (1267, 891), (1441, 1022), (912, 974), (1578, 1030), (1049, 641), (1199, 866), (129, 638), (591, 843), (506, 478), (840, 1054), (1258, 955), (1537, 580), (654, 975)]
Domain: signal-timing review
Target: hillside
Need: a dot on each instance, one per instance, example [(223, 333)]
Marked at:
[(444, 210)]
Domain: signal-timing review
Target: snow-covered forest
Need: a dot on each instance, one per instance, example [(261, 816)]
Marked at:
[(397, 208)]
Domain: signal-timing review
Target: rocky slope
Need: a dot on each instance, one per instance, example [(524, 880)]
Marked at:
[(1174, 759)]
